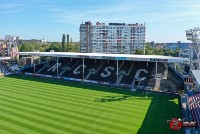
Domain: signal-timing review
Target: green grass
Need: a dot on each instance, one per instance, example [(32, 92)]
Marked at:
[(37, 105)]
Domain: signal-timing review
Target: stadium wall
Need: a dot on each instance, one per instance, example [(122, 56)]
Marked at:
[(127, 86), (80, 80)]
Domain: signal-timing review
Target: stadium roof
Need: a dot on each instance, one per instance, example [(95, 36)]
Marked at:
[(152, 58), (196, 74)]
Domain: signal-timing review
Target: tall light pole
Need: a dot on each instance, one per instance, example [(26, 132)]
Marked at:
[(144, 42), (193, 35)]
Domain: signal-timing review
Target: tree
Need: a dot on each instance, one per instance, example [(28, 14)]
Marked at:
[(37, 46), (27, 48), (176, 52), (158, 51), (139, 51), (67, 40), (57, 47), (20, 42), (74, 47), (149, 52), (71, 40), (63, 42), (44, 47)]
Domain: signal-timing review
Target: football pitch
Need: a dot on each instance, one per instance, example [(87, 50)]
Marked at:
[(30, 105)]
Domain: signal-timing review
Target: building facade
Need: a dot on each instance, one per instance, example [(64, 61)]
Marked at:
[(111, 38), (16, 40), (12, 40), (34, 41), (183, 47), (6, 50), (8, 46), (179, 45)]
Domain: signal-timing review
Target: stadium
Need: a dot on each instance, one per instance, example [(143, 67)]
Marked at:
[(98, 93)]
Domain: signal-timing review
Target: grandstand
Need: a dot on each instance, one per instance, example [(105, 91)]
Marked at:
[(193, 101), (135, 72), (131, 71)]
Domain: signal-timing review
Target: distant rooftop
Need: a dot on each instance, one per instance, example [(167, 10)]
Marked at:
[(116, 24)]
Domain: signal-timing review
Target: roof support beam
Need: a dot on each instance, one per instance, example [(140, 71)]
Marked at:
[(156, 69), (34, 65), (83, 68), (57, 66), (117, 73)]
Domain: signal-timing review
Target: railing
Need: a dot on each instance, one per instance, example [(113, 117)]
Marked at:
[(180, 69), (176, 71)]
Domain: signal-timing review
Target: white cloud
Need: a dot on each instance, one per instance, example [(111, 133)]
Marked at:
[(159, 15), (11, 8), (96, 13)]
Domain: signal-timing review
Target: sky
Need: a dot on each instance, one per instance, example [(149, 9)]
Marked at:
[(166, 20)]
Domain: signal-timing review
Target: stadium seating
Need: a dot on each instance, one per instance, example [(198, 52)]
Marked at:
[(92, 68), (150, 76), (106, 72), (4, 69), (127, 71), (73, 69), (195, 112), (194, 104), (102, 70), (172, 82), (39, 68), (193, 98), (66, 64)]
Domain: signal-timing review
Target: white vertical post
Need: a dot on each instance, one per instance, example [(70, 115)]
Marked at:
[(175, 66), (156, 69), (117, 73), (57, 66), (83, 68), (34, 65)]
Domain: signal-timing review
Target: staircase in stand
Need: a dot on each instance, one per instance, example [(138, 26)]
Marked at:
[(157, 85)]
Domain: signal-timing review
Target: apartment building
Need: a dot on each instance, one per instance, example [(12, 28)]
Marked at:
[(6, 50), (12, 40), (111, 38)]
